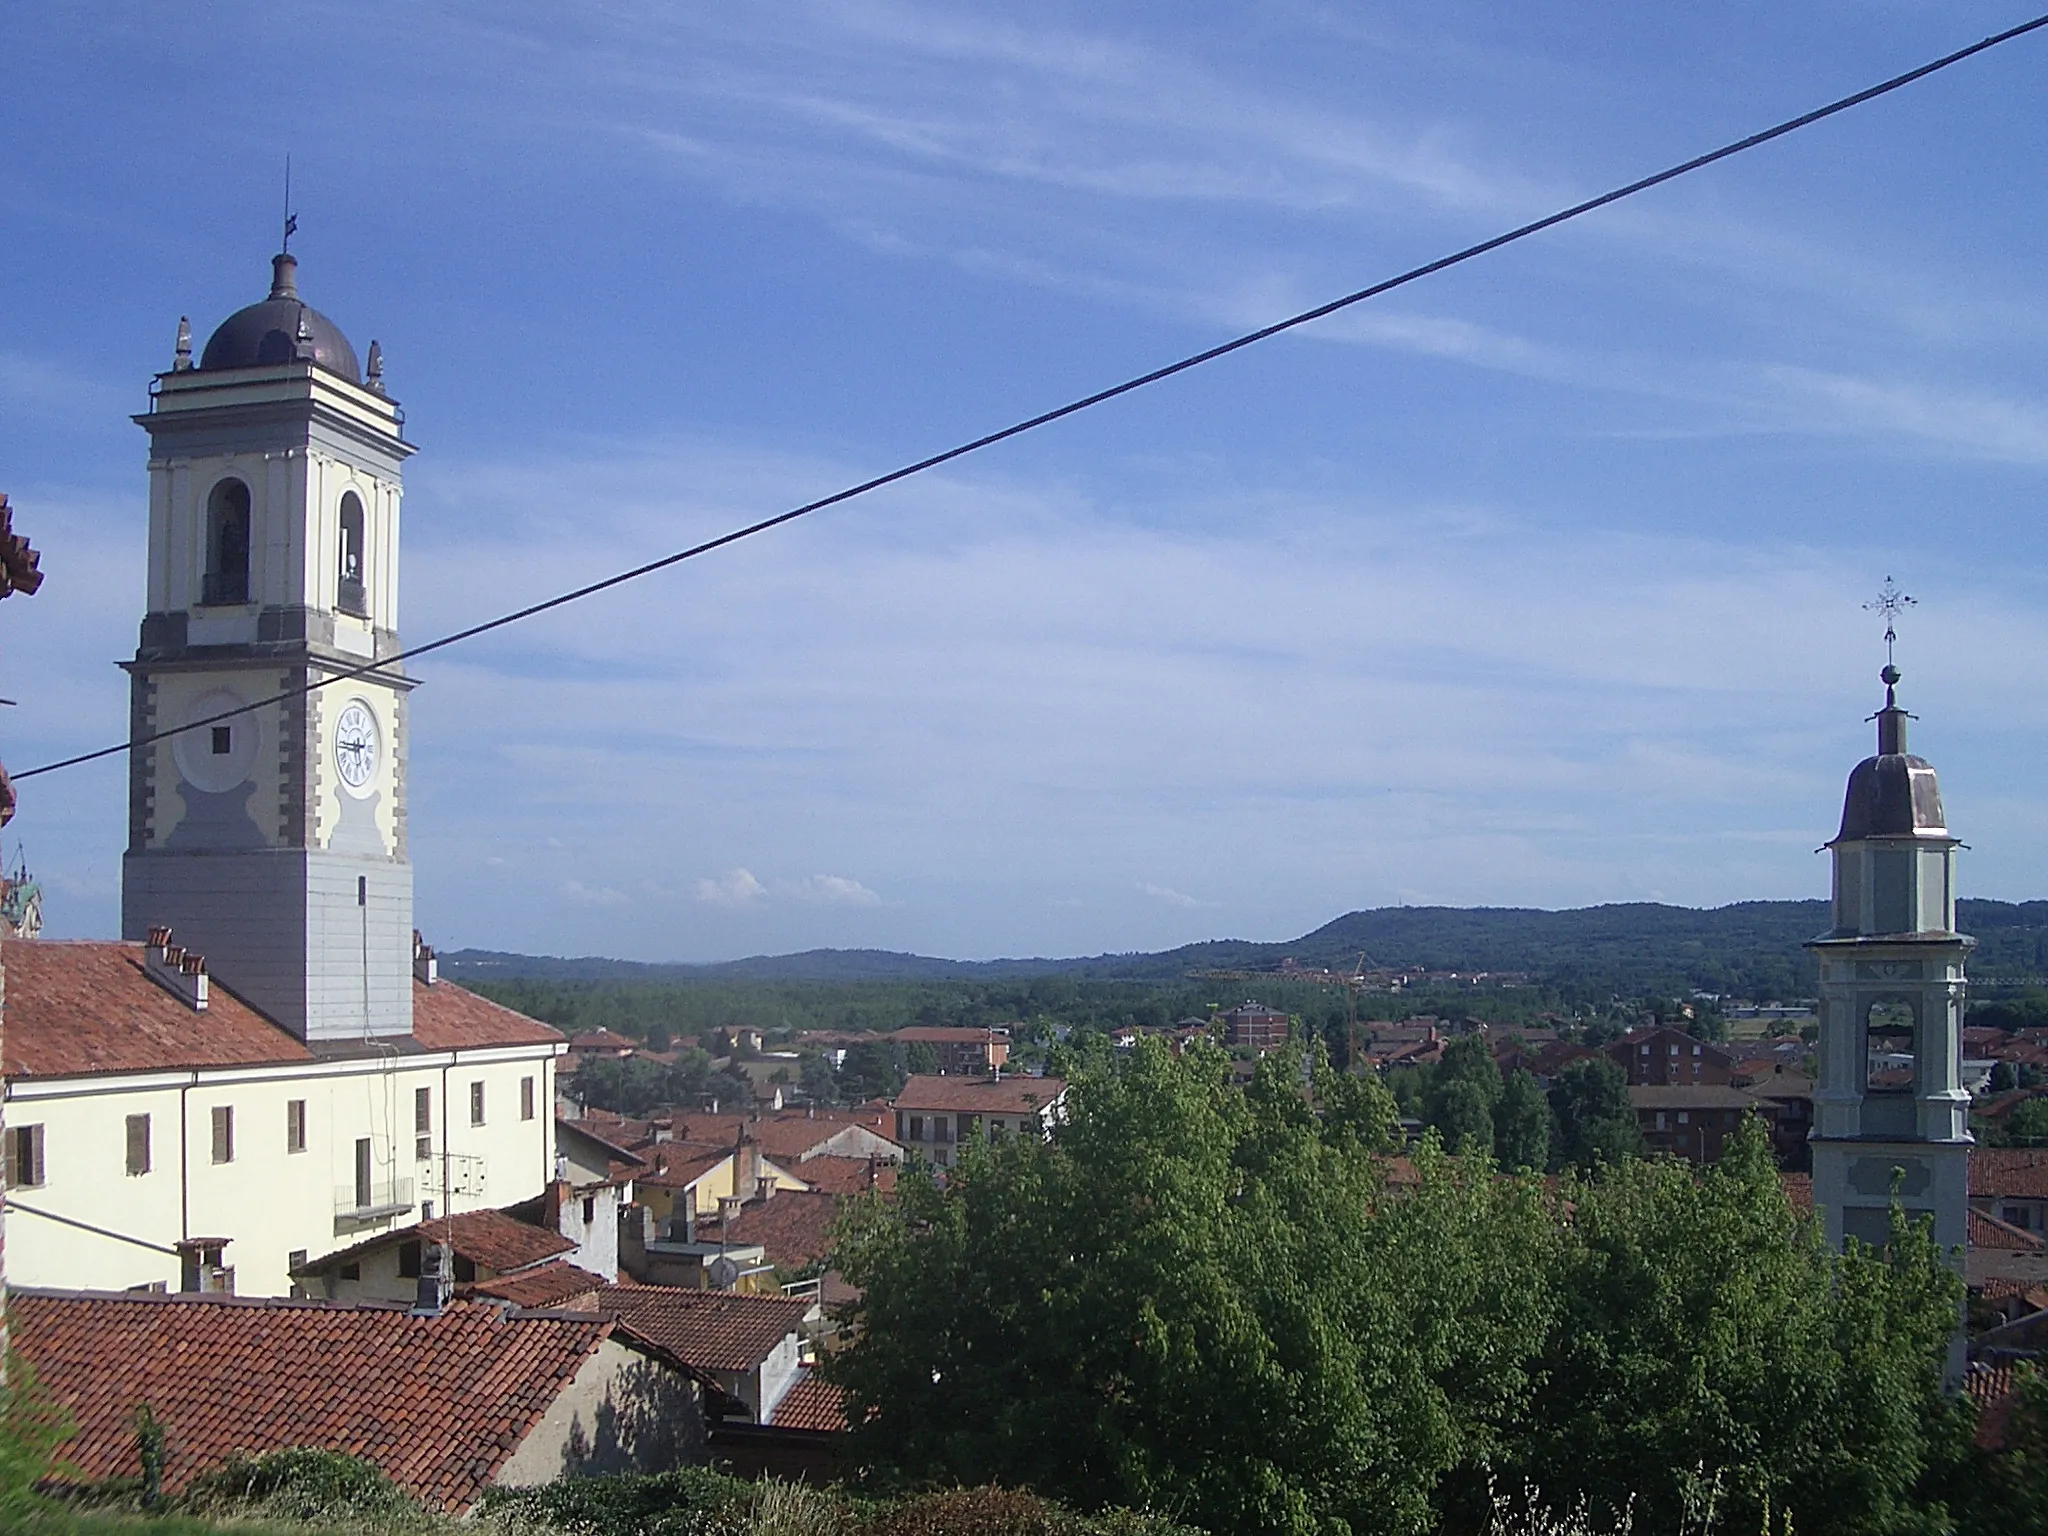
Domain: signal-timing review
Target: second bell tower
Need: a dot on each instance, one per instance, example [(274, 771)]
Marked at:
[(274, 842)]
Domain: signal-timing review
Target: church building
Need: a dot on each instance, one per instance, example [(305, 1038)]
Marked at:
[(267, 1066), (1890, 1110)]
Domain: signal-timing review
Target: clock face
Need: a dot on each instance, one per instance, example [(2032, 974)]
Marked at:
[(355, 745)]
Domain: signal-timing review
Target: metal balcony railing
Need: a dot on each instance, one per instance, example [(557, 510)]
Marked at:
[(372, 1200)]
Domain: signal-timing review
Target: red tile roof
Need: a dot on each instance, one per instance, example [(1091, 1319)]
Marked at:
[(82, 1007), (446, 1017), (792, 1228), (679, 1164), (601, 1040), (939, 1034), (490, 1239), (789, 1133), (2016, 1171), (811, 1403), (76, 1007), (848, 1175), (712, 1330), (1990, 1232), (557, 1285), (1669, 1096), (979, 1095), (438, 1403)]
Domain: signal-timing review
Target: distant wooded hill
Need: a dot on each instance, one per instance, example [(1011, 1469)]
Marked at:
[(1749, 950)]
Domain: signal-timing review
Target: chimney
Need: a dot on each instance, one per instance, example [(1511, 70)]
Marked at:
[(178, 971), (202, 1268), (746, 1160), (558, 1198), (764, 1188), (426, 969)]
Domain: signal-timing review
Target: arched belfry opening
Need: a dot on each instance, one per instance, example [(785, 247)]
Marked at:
[(351, 596), (227, 545)]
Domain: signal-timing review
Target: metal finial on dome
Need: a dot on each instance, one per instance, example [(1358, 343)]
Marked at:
[(182, 361), (284, 276), (1890, 602)]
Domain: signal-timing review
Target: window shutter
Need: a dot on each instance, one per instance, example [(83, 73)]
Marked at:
[(138, 1144)]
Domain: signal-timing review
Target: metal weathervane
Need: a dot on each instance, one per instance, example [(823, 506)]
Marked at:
[(1890, 601)]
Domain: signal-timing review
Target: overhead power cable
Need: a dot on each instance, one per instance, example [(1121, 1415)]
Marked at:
[(1074, 407)]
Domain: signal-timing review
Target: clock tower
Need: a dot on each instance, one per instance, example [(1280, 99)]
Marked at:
[(274, 842)]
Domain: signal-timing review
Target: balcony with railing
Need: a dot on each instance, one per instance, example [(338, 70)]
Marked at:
[(370, 1200)]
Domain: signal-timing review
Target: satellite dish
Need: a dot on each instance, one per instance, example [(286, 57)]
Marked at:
[(724, 1272)]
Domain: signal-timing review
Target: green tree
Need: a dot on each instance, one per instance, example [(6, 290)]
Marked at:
[(1521, 1124), (1464, 1087), (1595, 1122), (1461, 1115), (820, 1084), (1200, 1300), (1708, 1333), (2026, 1125)]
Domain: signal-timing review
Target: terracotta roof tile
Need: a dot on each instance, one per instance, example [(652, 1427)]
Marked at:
[(979, 1095), (787, 1134), (848, 1175), (941, 1034), (711, 1330), (446, 1017), (792, 1228), (558, 1285), (2015, 1171), (82, 1007), (679, 1164), (1990, 1232), (437, 1402), (490, 1239), (811, 1403), (1690, 1096)]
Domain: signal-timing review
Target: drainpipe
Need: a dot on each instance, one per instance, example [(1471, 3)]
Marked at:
[(184, 1164)]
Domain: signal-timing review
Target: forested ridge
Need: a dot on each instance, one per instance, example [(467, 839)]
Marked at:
[(1750, 949)]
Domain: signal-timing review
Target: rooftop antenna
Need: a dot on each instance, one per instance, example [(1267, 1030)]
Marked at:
[(1890, 602), (291, 220)]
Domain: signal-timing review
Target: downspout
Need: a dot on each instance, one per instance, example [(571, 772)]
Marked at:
[(184, 1166)]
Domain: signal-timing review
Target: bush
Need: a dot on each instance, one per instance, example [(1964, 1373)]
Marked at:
[(32, 1425), (302, 1483), (689, 1501)]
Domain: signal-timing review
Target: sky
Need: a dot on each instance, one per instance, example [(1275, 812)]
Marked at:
[(1537, 583)]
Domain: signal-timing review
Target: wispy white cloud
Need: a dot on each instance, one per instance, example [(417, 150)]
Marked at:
[(734, 888), (832, 890), (594, 895), (1170, 896)]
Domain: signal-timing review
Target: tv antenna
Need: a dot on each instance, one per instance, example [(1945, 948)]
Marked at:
[(1890, 601)]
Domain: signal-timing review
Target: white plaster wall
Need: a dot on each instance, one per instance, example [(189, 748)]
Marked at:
[(620, 1412), (267, 1200)]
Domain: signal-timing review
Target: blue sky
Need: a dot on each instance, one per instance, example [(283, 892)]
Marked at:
[(1537, 583)]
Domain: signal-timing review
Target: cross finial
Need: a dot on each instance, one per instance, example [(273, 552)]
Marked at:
[(1890, 602)]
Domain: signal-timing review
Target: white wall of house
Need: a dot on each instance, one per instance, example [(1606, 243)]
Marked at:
[(622, 1412), (78, 1228)]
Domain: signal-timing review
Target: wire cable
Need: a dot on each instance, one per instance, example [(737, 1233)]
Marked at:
[(1074, 407)]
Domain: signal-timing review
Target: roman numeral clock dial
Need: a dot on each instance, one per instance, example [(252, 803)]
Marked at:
[(356, 747)]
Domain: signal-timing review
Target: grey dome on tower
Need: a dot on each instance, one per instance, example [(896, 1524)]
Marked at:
[(1893, 794), (281, 329)]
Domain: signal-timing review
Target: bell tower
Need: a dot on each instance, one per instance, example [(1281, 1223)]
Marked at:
[(274, 842), (1890, 1104)]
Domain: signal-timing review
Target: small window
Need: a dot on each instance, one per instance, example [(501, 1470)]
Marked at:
[(25, 1156), (353, 1271), (526, 1098), (366, 1193), (293, 1263), (295, 1125), (476, 1103), (138, 1145), (409, 1261), (1684, 1118), (1695, 1050), (1660, 1121), (465, 1270), (223, 1133), (1674, 1050), (917, 1127), (423, 1111), (589, 1211), (1646, 1050), (223, 740)]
